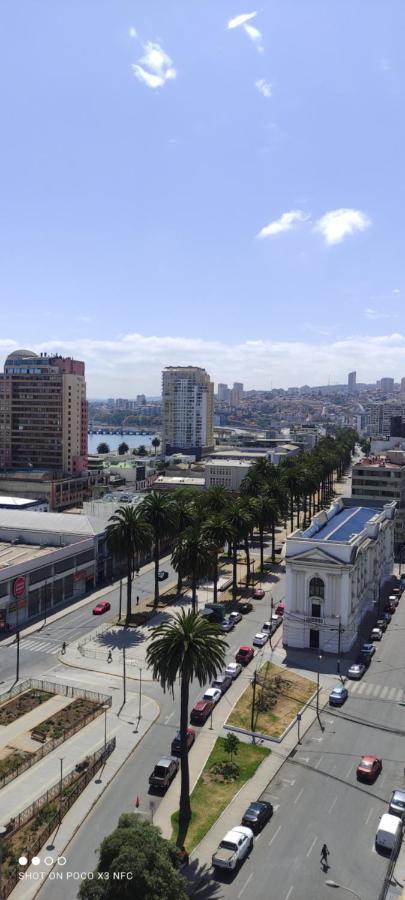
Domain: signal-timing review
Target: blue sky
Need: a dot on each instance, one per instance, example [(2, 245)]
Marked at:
[(195, 181)]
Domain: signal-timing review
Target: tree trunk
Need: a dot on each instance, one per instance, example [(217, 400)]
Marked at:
[(292, 510), (185, 806), (194, 590), (156, 555), (247, 554), (179, 581), (234, 569), (273, 542), (129, 589), (216, 576), (261, 537)]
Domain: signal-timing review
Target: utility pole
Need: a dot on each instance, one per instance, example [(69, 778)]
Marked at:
[(339, 644), (61, 758), (120, 606), (252, 720), (271, 616), (124, 674), (317, 692), (140, 694), (17, 673)]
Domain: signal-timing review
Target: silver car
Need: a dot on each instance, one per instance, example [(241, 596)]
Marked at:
[(397, 804), (222, 682)]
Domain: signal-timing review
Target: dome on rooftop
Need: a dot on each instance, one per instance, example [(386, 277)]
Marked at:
[(24, 354)]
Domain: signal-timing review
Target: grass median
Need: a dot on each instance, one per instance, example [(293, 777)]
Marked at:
[(280, 695), (211, 796)]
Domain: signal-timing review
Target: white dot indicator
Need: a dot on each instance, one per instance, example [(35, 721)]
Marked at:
[(35, 860), (23, 861)]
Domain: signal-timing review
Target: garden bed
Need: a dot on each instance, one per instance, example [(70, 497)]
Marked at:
[(280, 695), (22, 704), (212, 795), (65, 719), (12, 761)]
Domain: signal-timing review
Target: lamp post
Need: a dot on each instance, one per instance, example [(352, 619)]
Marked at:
[(253, 572), (342, 887), (317, 692), (3, 830), (105, 731), (61, 758)]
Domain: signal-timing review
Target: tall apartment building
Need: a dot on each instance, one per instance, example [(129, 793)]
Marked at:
[(223, 393), (188, 411), (236, 393), (386, 385), (351, 382), (378, 417), (383, 478), (43, 414)]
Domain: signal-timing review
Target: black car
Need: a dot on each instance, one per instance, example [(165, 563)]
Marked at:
[(364, 659), (257, 814), (245, 608), (381, 623), (162, 575), (387, 617)]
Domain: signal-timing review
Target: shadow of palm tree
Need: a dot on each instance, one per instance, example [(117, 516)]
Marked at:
[(200, 882), (117, 640)]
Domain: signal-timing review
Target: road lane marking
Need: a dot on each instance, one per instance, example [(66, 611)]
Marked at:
[(332, 804), (350, 769), (245, 885), (376, 690), (303, 759), (299, 795), (369, 815), (312, 846), (384, 691), (362, 687), (369, 689), (289, 781), (391, 693), (399, 695), (319, 761), (274, 835), (167, 719), (288, 894)]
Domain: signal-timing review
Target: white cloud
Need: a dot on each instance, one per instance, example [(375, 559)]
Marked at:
[(155, 67), (373, 314), (396, 291), (132, 364), (255, 36), (264, 87), (133, 32), (285, 223), (237, 21), (338, 224)]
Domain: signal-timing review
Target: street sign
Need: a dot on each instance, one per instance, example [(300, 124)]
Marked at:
[(152, 805), (299, 717), (19, 587)]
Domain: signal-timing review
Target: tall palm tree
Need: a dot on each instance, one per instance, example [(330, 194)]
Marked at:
[(217, 532), (159, 512), (240, 519), (217, 499), (265, 511), (185, 511), (186, 647), (193, 556), (128, 535), (156, 443)]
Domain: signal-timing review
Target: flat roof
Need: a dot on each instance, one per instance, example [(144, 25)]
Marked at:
[(231, 461), (340, 527), (177, 479), (379, 462), (19, 501), (56, 523), (14, 554)]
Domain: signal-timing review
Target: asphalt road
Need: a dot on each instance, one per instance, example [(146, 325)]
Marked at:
[(317, 798)]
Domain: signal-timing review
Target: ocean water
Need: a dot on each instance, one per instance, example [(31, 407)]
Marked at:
[(114, 440)]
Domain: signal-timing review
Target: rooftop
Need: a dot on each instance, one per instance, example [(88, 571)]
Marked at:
[(380, 462), (53, 523), (230, 461), (343, 525), (18, 502), (14, 554)]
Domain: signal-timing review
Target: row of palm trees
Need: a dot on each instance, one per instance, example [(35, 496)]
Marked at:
[(197, 527)]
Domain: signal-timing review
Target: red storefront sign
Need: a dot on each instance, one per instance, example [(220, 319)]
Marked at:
[(19, 585)]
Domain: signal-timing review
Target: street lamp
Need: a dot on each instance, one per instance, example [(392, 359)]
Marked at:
[(3, 830), (343, 887), (61, 758), (105, 708), (317, 691)]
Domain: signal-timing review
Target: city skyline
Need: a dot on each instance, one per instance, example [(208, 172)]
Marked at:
[(201, 189)]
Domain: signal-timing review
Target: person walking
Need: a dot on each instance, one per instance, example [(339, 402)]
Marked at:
[(324, 855), (109, 657), (64, 648)]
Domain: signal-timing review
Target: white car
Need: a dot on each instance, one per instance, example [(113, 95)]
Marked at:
[(260, 639), (376, 634), (235, 616), (233, 849), (233, 669), (213, 695)]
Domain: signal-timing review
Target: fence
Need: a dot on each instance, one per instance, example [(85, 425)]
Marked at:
[(116, 657), (97, 759), (101, 701), (53, 687)]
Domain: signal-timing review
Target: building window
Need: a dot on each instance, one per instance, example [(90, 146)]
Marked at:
[(317, 588)]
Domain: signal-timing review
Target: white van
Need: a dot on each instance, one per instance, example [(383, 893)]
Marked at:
[(388, 831)]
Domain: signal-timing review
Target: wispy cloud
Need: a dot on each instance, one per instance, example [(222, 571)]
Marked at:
[(371, 313), (396, 291), (264, 87), (337, 224), (252, 32), (384, 64), (155, 67), (132, 364), (286, 222), (133, 32)]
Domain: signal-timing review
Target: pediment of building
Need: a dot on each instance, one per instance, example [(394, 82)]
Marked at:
[(314, 557)]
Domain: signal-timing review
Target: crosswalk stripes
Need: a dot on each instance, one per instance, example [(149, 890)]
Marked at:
[(376, 691), (37, 646)]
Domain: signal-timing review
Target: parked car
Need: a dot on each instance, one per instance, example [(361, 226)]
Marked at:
[(101, 608), (369, 768), (390, 607), (175, 747), (233, 849), (217, 609), (244, 655), (397, 591), (397, 804), (279, 610), (367, 650), (162, 575), (393, 598), (376, 634), (388, 832), (382, 624), (338, 695), (245, 607), (257, 815), (260, 639), (356, 670), (222, 682), (387, 616), (164, 772), (201, 711), (212, 695), (227, 624), (258, 594), (233, 669), (235, 616)]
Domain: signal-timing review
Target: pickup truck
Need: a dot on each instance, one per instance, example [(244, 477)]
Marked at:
[(164, 772), (233, 848)]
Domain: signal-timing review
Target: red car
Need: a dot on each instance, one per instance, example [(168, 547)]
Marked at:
[(258, 594), (397, 591), (368, 768), (244, 655), (101, 608), (201, 711), (175, 748), (279, 610)]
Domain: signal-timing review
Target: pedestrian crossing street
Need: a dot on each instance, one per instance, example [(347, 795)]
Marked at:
[(37, 646), (375, 691)]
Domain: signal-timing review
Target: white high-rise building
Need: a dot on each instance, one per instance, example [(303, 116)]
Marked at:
[(223, 393), (187, 411), (351, 382), (236, 393)]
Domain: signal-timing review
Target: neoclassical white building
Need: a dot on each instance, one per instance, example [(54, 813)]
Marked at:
[(334, 573)]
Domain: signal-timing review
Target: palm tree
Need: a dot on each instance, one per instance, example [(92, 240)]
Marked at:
[(185, 647), (184, 502), (193, 556), (265, 511), (128, 535), (217, 499), (218, 532), (156, 443), (240, 519), (159, 512)]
